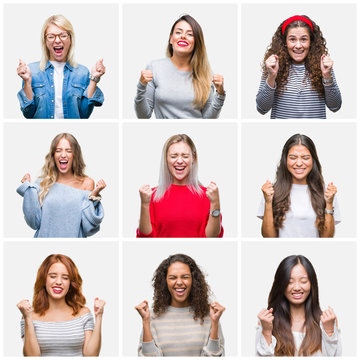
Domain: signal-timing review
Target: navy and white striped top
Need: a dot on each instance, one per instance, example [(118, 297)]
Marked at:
[(299, 99), (61, 338)]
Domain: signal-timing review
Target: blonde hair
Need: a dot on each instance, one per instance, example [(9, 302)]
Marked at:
[(50, 171), (165, 177), (63, 23), (201, 71)]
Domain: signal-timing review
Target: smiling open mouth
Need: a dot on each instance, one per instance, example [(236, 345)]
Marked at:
[(297, 295), (183, 43), (299, 170), (63, 164), (180, 291), (58, 50)]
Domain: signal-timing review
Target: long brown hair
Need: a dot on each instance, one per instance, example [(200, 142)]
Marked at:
[(201, 72), (285, 344), (312, 61), (283, 184), (74, 297), (50, 171), (200, 290)]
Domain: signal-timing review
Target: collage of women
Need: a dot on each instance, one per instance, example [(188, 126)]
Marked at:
[(179, 179)]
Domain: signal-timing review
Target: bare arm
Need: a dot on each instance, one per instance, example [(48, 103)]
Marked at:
[(145, 226), (268, 228), (213, 226)]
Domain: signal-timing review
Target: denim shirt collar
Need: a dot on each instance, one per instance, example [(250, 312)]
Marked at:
[(67, 65)]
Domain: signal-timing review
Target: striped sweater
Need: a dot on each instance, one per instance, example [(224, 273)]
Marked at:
[(299, 99), (176, 333), (61, 338)]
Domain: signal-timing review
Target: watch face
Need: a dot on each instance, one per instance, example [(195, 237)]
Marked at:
[(215, 213)]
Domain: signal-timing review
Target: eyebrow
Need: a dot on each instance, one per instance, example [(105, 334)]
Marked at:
[(179, 28)]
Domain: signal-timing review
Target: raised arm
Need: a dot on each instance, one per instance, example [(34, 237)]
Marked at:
[(329, 229), (92, 343), (145, 226), (31, 345), (145, 94), (216, 99), (213, 227), (268, 228)]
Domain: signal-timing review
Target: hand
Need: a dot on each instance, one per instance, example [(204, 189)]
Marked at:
[(146, 76), (144, 310), (25, 308), (24, 71), (98, 70), (145, 194), (330, 192), (100, 185), (268, 192), (218, 81), (266, 318), (326, 64), (212, 193), (272, 65), (328, 318), (99, 306), (216, 311), (26, 177)]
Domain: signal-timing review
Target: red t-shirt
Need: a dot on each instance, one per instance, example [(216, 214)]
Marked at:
[(180, 213)]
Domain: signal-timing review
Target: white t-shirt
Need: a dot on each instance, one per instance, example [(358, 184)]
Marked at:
[(301, 217), (58, 83)]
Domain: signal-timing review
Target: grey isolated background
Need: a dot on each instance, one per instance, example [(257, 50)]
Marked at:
[(95, 261), (217, 156), (96, 29), (25, 147), (146, 29), (335, 266), (218, 261), (261, 146), (258, 28)]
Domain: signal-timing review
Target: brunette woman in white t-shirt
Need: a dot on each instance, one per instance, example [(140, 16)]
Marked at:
[(298, 204)]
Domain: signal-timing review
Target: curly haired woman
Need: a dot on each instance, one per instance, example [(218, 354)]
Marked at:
[(58, 323), (63, 202), (298, 78), (183, 322), (181, 86)]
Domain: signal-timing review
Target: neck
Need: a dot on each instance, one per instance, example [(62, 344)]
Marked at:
[(64, 178), (57, 305), (297, 313), (181, 62)]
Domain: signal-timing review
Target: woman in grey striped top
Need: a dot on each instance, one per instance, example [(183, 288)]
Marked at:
[(183, 322), (58, 323), (298, 78)]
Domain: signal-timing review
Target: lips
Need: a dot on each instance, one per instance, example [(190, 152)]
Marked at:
[(58, 50), (180, 291), (183, 43), (57, 290), (63, 164), (297, 296), (179, 168), (299, 170)]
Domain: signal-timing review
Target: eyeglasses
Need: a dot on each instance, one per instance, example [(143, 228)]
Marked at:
[(62, 36)]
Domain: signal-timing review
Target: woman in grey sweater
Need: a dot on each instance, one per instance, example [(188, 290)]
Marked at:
[(181, 86)]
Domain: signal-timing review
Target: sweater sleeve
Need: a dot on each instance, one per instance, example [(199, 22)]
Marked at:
[(214, 347), (91, 216), (265, 96), (262, 348), (31, 205), (145, 98), (331, 346), (213, 105), (332, 95), (149, 348)]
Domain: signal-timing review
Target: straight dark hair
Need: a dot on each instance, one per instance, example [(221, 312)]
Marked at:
[(283, 184), (285, 344)]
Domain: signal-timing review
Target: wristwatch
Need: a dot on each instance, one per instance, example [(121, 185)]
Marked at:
[(331, 212), (215, 213), (327, 81), (93, 78)]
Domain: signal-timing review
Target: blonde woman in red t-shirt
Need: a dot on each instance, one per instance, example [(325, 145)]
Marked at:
[(180, 206)]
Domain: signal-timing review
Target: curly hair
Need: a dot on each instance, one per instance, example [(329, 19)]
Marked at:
[(50, 171), (285, 344), (74, 297), (200, 290), (312, 62), (283, 184)]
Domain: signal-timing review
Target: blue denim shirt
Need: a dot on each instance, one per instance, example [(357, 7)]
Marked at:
[(76, 104)]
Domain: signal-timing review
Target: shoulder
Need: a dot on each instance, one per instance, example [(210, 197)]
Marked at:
[(88, 184), (84, 310)]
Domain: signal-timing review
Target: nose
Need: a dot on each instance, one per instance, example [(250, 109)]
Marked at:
[(298, 161), (179, 160), (296, 286), (179, 281), (58, 280), (298, 44)]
